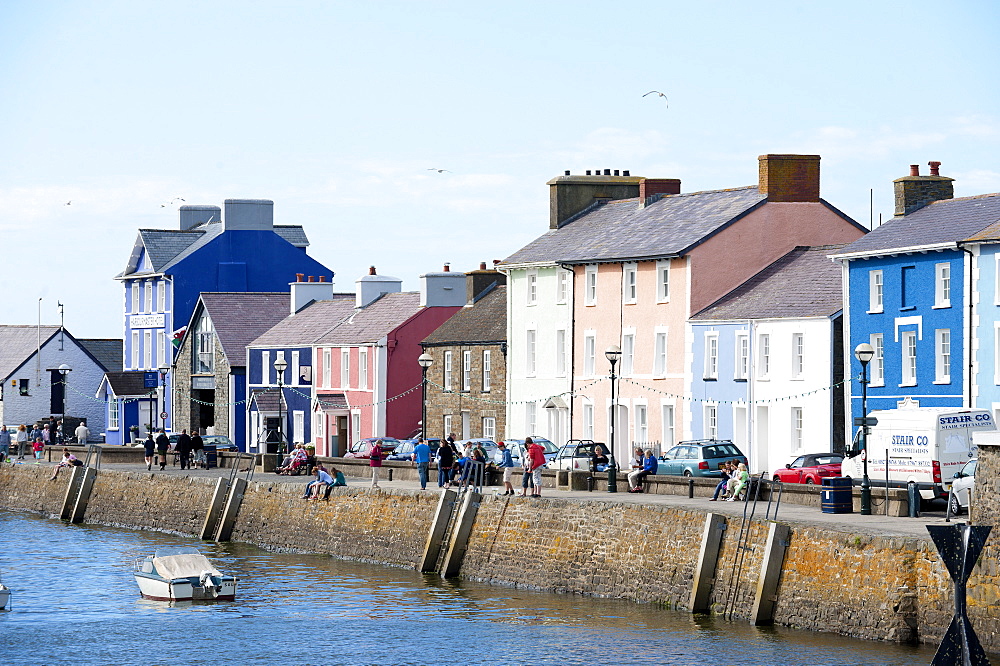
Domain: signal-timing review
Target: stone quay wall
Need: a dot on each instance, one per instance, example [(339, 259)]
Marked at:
[(882, 588)]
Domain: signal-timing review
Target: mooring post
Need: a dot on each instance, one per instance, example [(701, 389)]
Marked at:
[(460, 535), (439, 525), (959, 547), (770, 573), (232, 509), (211, 524), (708, 561)]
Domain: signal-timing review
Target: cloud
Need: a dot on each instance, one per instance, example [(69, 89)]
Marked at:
[(976, 181)]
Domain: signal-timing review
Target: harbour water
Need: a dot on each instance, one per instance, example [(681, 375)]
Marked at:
[(75, 601)]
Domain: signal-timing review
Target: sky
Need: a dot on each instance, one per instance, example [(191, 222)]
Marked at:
[(340, 112)]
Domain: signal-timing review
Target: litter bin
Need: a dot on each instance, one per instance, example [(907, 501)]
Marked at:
[(211, 456), (837, 495)]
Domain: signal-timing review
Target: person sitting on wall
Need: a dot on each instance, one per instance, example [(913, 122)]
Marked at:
[(738, 482), (68, 460), (636, 477), (598, 460), (725, 468), (318, 485)]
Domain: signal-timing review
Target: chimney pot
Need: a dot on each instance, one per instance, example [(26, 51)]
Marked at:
[(914, 169), (616, 172), (915, 191), (312, 278), (626, 173), (588, 172), (371, 270), (447, 268), (567, 172), (482, 265), (607, 172), (935, 168), (299, 277), (322, 278), (496, 262)]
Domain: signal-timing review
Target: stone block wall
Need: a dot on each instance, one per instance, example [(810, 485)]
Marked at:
[(27, 488), (142, 500)]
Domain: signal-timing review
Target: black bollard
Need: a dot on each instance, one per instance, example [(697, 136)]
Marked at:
[(913, 498)]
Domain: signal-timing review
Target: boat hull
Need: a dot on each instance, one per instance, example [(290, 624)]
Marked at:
[(160, 589), (4, 597)]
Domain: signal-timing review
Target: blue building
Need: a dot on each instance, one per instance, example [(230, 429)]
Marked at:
[(907, 295), (241, 251)]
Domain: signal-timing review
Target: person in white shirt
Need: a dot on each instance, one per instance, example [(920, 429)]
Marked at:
[(82, 433)]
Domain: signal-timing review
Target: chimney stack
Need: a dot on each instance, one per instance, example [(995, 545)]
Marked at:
[(446, 288), (372, 286), (478, 281), (789, 178), (650, 187), (249, 215), (193, 216), (304, 292), (570, 195), (913, 192)]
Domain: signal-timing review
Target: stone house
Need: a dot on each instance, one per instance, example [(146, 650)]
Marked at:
[(467, 383)]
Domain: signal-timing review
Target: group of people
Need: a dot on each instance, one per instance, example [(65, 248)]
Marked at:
[(186, 447), (643, 465), (734, 479), (325, 478), (32, 442), (68, 460), (298, 459)]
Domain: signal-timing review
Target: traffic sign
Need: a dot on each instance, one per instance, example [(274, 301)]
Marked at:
[(163, 415), (149, 380)]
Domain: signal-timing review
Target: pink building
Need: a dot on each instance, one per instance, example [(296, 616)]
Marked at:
[(643, 266)]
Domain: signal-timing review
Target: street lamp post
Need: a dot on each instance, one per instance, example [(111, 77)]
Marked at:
[(64, 370), (613, 354), (426, 361), (279, 367), (163, 370), (864, 353)]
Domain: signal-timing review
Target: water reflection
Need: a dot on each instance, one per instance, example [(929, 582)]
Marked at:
[(294, 608)]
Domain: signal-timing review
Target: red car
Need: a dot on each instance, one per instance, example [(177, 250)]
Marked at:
[(810, 468), (363, 447)]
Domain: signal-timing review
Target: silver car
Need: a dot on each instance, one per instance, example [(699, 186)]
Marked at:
[(962, 487)]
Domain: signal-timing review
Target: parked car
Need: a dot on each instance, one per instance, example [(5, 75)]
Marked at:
[(810, 469), (363, 447), (403, 450), (962, 487), (701, 457), (516, 447), (221, 442), (488, 444), (575, 454)]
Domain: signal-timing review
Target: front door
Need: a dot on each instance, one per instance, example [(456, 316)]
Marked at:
[(339, 441), (57, 400)]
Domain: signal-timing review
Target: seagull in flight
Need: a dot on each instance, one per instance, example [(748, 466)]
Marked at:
[(657, 92), (171, 202), (69, 202), (439, 170)]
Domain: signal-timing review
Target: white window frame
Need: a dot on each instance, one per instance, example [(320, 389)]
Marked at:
[(447, 424), (942, 356), (161, 348), (798, 356), (942, 285), (589, 354), (487, 369), (796, 428), (298, 426), (562, 285), (467, 371), (628, 354), (295, 370), (877, 366), (590, 286), (561, 355), (741, 370), (345, 368), (630, 288), (328, 368), (161, 295), (641, 423), (265, 368), (663, 281), (588, 420), (490, 427), (147, 348), (711, 351), (447, 372), (763, 356), (711, 423), (148, 296), (908, 347), (136, 297), (530, 417), (660, 353), (355, 426), (530, 349), (531, 290), (113, 405), (667, 424), (876, 291)]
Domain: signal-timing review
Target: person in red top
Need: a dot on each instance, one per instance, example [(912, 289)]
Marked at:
[(536, 456), (375, 460)]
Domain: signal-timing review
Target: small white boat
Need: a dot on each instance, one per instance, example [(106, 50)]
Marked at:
[(182, 574), (4, 596)]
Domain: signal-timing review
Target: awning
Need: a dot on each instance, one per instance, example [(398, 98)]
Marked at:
[(555, 402)]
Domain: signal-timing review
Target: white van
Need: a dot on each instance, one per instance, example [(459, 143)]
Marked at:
[(926, 445)]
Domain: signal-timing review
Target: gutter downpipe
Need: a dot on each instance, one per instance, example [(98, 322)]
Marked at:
[(971, 328)]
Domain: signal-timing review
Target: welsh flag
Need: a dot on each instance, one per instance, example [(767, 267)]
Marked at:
[(178, 334)]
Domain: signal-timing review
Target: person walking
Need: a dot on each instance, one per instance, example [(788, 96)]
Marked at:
[(46, 434), (183, 448), (445, 461), (4, 443), (162, 445), (149, 446), (198, 449), (536, 456), (21, 439), (375, 461), (422, 460), (82, 433), (507, 465), (38, 447)]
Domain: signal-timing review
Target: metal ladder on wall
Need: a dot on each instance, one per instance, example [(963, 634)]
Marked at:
[(93, 454), (755, 484)]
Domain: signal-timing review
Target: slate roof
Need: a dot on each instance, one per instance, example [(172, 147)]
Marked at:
[(372, 322), (240, 317), (166, 247), (803, 283), (622, 231), (127, 383), (946, 221), (17, 343), (268, 399), (484, 322), (107, 351), (308, 324)]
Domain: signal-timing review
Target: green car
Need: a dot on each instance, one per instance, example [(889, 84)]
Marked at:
[(701, 457)]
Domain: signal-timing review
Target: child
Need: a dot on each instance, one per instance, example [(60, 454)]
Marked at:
[(38, 447)]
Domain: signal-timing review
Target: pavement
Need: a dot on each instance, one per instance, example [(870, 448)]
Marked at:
[(795, 514)]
